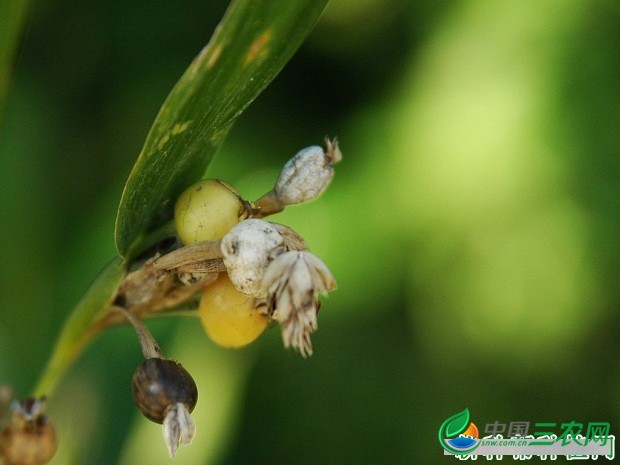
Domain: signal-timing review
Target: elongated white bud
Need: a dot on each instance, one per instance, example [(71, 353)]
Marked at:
[(307, 175)]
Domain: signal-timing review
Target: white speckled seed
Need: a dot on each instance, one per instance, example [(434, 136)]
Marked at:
[(306, 176), (248, 248)]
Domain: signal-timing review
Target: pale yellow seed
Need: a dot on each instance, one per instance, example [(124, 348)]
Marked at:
[(206, 211)]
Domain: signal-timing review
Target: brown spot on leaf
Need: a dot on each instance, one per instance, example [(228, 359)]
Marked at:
[(258, 47)]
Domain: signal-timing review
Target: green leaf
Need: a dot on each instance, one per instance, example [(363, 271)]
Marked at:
[(248, 49), (78, 329), (457, 423), (12, 16)]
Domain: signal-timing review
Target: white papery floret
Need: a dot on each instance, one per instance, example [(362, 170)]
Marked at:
[(292, 283), (179, 428)]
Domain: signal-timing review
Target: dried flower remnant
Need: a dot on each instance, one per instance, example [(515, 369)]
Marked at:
[(303, 178), (308, 174), (293, 281), (28, 437), (179, 428)]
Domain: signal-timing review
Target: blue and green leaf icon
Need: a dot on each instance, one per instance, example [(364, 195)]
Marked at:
[(451, 429)]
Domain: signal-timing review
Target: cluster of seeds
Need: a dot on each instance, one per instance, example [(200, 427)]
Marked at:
[(248, 272), (273, 276)]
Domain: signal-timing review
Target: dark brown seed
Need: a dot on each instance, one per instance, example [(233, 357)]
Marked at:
[(158, 384)]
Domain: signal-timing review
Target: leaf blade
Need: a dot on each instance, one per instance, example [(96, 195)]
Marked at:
[(248, 49)]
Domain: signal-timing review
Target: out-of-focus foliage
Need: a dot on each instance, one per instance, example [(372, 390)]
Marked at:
[(472, 225), (12, 14)]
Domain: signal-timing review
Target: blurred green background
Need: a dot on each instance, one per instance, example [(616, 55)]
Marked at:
[(472, 225)]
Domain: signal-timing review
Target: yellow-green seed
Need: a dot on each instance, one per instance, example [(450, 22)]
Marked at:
[(206, 211)]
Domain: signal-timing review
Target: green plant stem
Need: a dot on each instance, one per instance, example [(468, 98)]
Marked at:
[(79, 330), (90, 317)]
